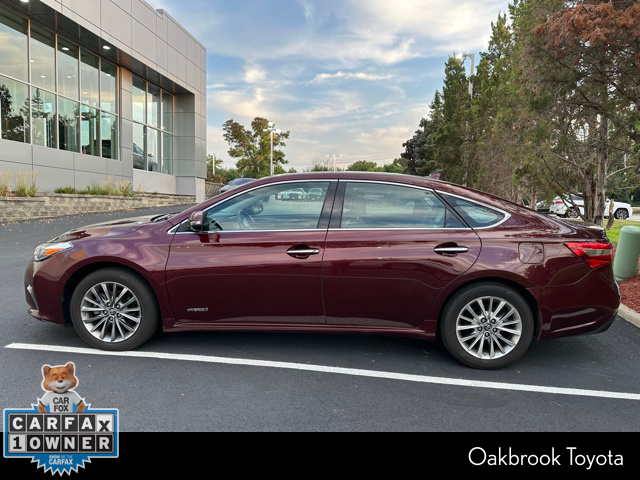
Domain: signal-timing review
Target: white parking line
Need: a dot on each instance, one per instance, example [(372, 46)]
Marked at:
[(335, 370)]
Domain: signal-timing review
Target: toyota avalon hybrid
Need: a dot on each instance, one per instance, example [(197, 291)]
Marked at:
[(370, 253)]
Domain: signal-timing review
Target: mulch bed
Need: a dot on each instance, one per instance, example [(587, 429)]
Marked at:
[(631, 293)]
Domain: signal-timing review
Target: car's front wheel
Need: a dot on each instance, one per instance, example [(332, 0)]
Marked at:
[(621, 214), (113, 309), (487, 325)]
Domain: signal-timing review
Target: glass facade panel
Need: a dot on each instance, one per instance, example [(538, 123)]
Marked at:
[(86, 88), (139, 99), (43, 114), (89, 132), (109, 87), (43, 58), (153, 150), (68, 120), (89, 79), (167, 154), (138, 147), (109, 131), (167, 112), (14, 110), (14, 51), (68, 69), (153, 106)]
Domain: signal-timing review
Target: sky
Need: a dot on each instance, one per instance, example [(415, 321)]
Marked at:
[(346, 77)]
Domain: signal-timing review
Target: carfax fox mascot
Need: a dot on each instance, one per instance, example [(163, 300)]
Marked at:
[(58, 384)]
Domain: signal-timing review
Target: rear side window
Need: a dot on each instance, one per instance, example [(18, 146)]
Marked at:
[(476, 216), (383, 206)]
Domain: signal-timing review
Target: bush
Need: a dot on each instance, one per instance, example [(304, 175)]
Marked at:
[(5, 180), (25, 184), (120, 189), (68, 190)]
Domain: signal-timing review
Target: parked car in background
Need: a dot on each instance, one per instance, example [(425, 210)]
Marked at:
[(482, 274), (562, 208), (238, 182), (294, 194), (315, 194)]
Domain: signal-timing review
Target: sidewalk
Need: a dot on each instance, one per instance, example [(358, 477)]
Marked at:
[(629, 315)]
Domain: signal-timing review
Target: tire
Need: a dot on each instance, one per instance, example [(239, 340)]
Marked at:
[(137, 301), (621, 214), (572, 213), (466, 348)]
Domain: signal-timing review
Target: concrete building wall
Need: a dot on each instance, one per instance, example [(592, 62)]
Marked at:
[(144, 41)]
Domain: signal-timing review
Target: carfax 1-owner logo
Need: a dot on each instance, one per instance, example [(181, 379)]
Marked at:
[(61, 432)]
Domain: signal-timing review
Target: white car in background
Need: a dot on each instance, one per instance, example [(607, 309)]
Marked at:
[(621, 211)]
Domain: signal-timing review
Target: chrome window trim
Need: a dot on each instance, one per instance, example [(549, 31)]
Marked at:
[(400, 229), (506, 214), (173, 230)]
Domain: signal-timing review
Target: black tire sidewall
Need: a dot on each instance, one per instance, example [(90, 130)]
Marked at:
[(620, 215), (149, 309), (464, 297)]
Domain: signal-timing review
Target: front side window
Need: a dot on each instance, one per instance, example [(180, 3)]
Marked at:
[(275, 207), (14, 110), (476, 215), (383, 206)]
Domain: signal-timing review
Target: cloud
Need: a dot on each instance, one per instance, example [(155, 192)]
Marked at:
[(216, 85), (340, 75), (254, 74)]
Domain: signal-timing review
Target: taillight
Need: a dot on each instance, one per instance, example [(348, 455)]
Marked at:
[(559, 202), (595, 254)]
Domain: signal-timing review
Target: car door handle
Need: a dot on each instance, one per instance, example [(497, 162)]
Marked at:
[(303, 252), (450, 250)]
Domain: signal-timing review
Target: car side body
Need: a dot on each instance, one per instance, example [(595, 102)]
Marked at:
[(396, 281)]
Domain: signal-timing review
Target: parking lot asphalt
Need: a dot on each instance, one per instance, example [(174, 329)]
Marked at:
[(276, 382)]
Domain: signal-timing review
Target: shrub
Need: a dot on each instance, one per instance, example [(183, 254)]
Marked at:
[(123, 188), (25, 184), (5, 180), (67, 190)]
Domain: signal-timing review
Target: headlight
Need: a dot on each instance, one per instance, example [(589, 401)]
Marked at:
[(46, 250)]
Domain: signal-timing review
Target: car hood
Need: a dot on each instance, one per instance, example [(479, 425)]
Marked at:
[(106, 229)]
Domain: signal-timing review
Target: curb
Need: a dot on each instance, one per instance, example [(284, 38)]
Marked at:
[(629, 315)]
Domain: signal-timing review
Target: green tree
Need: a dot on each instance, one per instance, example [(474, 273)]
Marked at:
[(363, 166), (252, 147), (451, 147), (420, 151)]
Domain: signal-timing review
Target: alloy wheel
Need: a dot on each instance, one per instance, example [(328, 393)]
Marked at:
[(110, 312), (489, 327)]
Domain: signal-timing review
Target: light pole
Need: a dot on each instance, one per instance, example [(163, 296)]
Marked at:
[(272, 130), (334, 161), (472, 58)]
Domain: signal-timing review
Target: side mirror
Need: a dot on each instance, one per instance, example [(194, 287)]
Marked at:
[(196, 221)]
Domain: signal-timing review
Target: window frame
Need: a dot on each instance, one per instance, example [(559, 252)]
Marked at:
[(323, 220)]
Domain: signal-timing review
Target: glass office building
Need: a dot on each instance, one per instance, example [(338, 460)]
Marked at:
[(94, 90)]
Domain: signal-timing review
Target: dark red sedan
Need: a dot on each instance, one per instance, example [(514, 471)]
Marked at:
[(366, 253)]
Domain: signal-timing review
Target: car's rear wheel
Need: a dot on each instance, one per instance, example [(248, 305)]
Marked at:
[(487, 325), (621, 214), (113, 309)]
